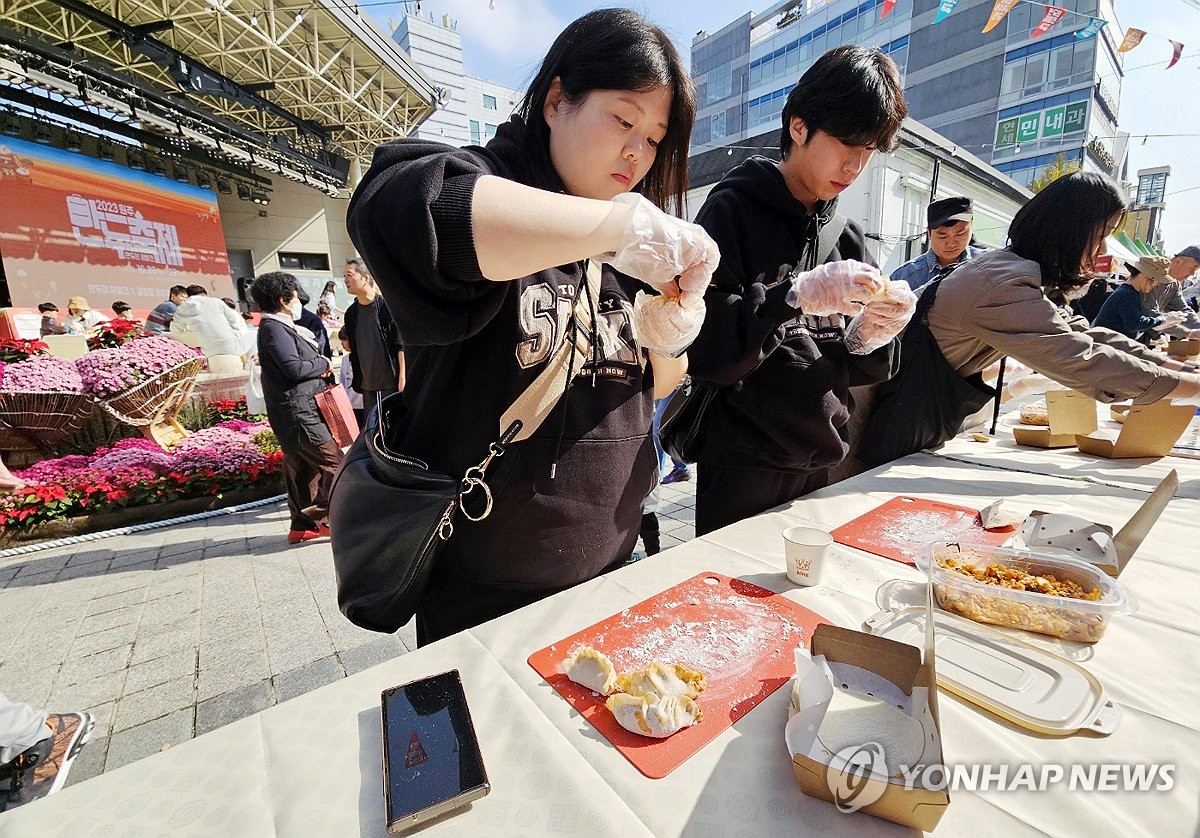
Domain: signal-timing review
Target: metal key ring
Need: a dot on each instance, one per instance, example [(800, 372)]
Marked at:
[(469, 486)]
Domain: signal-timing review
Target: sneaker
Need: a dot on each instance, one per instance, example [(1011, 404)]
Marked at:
[(42, 769), (679, 474), (296, 536)]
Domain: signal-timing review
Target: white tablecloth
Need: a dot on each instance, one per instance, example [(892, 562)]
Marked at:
[(311, 766)]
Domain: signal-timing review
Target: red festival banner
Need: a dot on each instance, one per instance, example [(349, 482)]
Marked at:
[(1133, 37), (71, 225), (888, 5), (1053, 15), (1002, 8), (1178, 47)]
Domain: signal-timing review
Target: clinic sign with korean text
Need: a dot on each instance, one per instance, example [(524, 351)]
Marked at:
[(1042, 125)]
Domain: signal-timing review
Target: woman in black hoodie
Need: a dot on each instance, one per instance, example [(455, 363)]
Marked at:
[(480, 254), (775, 342)]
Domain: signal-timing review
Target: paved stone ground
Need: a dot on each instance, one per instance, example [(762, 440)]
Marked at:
[(168, 634)]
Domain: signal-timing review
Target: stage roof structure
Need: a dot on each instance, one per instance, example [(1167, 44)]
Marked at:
[(292, 88)]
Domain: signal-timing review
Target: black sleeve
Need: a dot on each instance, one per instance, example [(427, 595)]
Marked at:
[(410, 218), (743, 316), (278, 348), (876, 367)]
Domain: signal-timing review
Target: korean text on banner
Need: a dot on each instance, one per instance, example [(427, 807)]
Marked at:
[(1091, 30), (1053, 15), (945, 7), (1002, 8), (1133, 37)]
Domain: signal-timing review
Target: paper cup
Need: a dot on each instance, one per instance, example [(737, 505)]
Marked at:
[(805, 549)]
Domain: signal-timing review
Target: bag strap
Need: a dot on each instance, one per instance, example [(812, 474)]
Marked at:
[(533, 406), (827, 237)]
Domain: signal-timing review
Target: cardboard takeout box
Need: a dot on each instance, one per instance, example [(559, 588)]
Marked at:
[(1070, 414), (896, 672), (1149, 430)]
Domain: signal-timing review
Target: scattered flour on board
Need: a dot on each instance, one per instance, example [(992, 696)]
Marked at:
[(911, 531)]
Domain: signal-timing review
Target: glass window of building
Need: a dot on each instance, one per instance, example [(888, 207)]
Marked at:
[(475, 132), (718, 125), (489, 131), (489, 102), (1151, 188)]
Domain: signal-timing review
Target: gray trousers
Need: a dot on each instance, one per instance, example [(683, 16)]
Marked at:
[(21, 727)]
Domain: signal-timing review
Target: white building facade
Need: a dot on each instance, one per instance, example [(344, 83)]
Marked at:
[(472, 108)]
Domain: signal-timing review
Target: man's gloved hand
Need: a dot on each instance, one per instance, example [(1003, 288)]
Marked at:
[(882, 319), (666, 326), (1172, 319), (836, 288), (672, 256)]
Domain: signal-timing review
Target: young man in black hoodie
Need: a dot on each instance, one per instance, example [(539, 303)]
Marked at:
[(776, 342)]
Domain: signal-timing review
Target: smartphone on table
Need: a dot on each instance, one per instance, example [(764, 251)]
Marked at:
[(431, 758)]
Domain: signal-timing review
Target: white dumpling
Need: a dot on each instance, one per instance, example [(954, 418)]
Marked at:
[(592, 669), (662, 680), (653, 716)]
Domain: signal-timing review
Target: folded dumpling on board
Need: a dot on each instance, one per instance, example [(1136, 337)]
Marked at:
[(653, 716), (592, 669), (662, 680)]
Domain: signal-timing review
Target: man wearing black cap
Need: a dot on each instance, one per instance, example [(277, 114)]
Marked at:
[(1167, 297), (949, 243)]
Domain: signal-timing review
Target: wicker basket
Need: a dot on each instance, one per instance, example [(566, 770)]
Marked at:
[(36, 420), (155, 400)]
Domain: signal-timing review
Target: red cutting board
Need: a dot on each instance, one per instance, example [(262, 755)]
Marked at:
[(903, 527), (742, 637)]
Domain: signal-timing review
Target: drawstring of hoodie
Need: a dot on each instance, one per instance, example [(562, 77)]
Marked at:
[(566, 401)]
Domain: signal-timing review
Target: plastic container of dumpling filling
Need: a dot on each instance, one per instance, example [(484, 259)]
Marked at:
[(1083, 620)]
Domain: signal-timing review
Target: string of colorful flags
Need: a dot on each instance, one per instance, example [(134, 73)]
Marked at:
[(1051, 18)]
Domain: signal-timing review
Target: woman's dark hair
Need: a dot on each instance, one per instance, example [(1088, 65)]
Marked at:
[(618, 49), (268, 289), (1060, 224), (852, 93), (328, 287)]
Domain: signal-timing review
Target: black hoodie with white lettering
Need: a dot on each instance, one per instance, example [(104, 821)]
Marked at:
[(472, 346), (784, 402)]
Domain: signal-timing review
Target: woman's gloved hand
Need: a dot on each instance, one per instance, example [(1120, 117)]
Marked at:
[(882, 319), (666, 326), (836, 288), (672, 256)]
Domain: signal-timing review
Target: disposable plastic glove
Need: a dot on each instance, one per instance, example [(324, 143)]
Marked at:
[(666, 326), (1172, 319), (662, 250), (836, 288), (882, 319)]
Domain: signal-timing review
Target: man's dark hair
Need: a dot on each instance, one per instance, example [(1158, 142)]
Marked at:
[(176, 290), (120, 306), (196, 290), (47, 307), (268, 289), (343, 334), (229, 302), (1060, 224), (852, 93), (358, 265), (617, 49), (303, 295)]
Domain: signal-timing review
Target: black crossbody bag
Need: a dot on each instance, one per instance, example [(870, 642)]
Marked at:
[(391, 514), (925, 403)]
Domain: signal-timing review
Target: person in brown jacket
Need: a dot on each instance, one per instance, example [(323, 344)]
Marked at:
[(997, 304), (1000, 304)]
